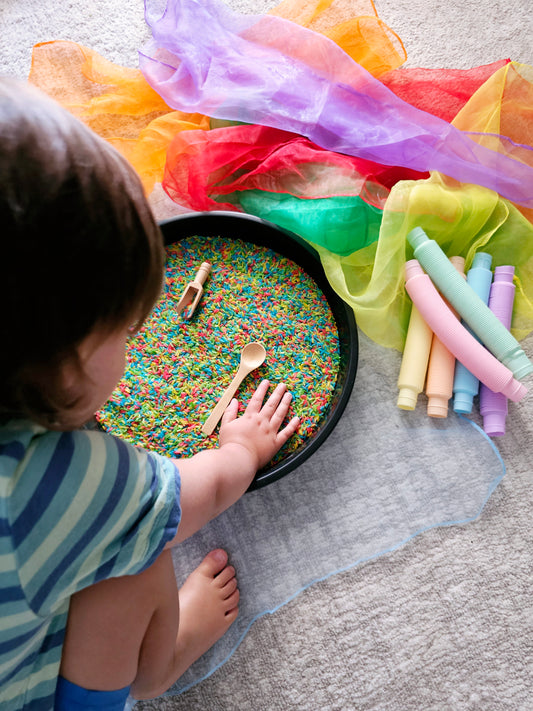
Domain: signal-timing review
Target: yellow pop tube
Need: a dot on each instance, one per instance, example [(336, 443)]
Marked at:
[(414, 361)]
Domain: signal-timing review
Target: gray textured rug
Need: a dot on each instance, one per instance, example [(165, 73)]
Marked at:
[(446, 622)]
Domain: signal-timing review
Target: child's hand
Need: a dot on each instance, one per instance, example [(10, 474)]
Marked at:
[(213, 479), (258, 429)]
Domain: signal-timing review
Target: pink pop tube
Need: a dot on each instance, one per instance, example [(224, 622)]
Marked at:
[(479, 361)]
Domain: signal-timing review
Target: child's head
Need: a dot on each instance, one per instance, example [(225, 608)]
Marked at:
[(80, 252)]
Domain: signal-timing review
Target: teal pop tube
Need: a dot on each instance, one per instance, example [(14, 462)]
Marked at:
[(465, 384), (487, 327)]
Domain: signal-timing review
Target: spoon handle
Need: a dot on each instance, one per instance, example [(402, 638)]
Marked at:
[(225, 399)]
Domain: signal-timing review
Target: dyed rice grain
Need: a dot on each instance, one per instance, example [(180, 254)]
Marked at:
[(177, 369)]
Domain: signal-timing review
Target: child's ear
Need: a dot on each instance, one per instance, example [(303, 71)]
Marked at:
[(68, 384), (50, 391)]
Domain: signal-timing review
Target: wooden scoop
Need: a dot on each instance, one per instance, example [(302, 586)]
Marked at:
[(252, 356), (193, 291)]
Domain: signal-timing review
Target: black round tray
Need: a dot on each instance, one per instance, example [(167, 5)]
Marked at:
[(232, 225)]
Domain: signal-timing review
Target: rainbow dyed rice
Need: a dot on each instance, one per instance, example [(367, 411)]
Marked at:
[(177, 369)]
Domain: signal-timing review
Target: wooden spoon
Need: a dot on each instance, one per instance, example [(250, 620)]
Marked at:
[(252, 356)]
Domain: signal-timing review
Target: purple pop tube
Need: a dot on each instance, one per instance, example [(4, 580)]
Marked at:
[(467, 349), (493, 406)]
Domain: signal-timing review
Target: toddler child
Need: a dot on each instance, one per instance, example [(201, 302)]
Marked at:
[(89, 608)]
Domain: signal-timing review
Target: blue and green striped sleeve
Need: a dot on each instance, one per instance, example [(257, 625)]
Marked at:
[(76, 508)]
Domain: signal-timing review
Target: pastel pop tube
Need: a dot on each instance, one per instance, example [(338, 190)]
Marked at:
[(476, 314), (414, 361), (494, 406), (455, 337), (441, 367), (465, 384)]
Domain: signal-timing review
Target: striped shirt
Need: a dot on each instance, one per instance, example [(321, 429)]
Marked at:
[(75, 508)]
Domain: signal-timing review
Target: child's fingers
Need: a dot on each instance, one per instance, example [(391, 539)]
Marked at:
[(230, 413), (256, 401), (281, 410), (284, 434), (274, 400)]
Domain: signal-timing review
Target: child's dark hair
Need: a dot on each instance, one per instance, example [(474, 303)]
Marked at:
[(80, 248)]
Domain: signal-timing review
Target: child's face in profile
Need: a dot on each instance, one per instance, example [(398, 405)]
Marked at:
[(103, 359)]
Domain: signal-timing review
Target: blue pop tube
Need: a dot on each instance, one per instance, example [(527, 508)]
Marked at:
[(465, 384)]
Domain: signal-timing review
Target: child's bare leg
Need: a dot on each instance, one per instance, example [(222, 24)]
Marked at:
[(124, 631), (208, 602)]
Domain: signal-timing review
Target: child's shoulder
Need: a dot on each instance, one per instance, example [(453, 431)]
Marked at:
[(32, 453), (17, 437)]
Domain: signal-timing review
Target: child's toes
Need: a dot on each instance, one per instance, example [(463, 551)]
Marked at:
[(213, 563), (229, 588), (231, 604), (225, 575)]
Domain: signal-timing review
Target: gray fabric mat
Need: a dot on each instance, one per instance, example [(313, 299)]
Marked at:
[(382, 477)]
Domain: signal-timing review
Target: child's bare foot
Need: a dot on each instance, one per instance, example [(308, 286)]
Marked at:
[(208, 606)]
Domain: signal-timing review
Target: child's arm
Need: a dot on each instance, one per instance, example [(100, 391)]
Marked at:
[(214, 479)]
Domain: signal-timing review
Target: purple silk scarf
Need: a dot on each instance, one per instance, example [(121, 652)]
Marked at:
[(266, 70)]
